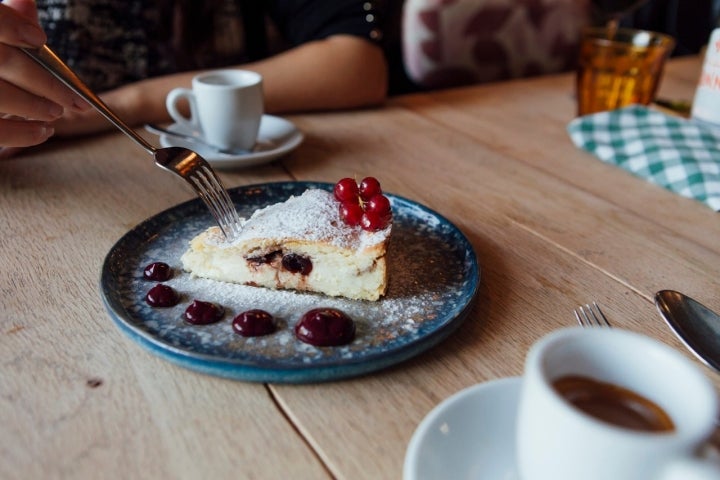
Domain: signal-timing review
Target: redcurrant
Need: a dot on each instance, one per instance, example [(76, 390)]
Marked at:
[(351, 213), (380, 205), (369, 187), (363, 204), (346, 190), (372, 222)]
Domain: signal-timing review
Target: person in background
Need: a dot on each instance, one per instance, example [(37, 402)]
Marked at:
[(313, 55), (690, 22)]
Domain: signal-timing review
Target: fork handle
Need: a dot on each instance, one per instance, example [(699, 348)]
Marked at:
[(53, 64)]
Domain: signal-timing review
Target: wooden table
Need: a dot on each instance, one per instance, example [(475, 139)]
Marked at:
[(552, 226)]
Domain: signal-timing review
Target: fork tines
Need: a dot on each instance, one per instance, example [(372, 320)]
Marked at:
[(211, 191), (591, 316)]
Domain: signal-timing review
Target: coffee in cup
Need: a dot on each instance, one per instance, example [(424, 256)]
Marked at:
[(613, 404), (226, 107), (602, 403)]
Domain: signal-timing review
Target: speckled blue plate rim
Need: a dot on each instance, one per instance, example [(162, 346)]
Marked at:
[(274, 372)]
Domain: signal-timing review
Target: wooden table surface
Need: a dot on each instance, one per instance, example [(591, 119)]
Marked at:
[(552, 227)]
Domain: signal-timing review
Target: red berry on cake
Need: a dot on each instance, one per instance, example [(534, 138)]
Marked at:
[(363, 204), (379, 205), (372, 222), (346, 190), (351, 213), (369, 187)]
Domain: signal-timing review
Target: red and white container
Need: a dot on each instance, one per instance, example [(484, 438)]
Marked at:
[(706, 104)]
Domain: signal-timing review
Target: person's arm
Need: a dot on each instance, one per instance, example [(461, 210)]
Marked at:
[(338, 72), (30, 97)]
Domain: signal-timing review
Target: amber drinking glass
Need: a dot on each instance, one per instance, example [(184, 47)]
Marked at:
[(619, 68)]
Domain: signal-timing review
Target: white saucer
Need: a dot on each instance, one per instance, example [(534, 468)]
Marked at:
[(469, 435), (277, 137)]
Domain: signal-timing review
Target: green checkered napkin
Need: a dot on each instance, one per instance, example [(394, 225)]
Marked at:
[(678, 154)]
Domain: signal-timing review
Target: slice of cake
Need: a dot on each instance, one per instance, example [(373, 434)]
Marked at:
[(304, 243)]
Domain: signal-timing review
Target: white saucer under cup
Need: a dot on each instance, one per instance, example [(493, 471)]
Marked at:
[(277, 137), (470, 435), (226, 106)]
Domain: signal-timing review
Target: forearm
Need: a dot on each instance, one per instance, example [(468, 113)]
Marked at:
[(336, 73), (339, 72)]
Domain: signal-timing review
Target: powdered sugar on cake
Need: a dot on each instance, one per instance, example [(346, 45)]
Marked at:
[(312, 216), (302, 244)]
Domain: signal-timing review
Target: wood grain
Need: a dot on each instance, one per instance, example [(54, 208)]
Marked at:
[(552, 227)]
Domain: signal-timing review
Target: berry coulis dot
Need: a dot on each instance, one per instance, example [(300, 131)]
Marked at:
[(158, 272), (253, 323), (203, 313), (162, 296), (324, 327)]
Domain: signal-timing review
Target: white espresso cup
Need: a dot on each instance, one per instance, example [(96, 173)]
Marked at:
[(557, 437), (226, 107)]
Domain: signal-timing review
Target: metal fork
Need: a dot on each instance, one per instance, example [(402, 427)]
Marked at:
[(183, 162), (591, 316)]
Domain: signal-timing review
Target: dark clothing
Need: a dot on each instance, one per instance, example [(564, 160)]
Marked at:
[(690, 22), (113, 42)]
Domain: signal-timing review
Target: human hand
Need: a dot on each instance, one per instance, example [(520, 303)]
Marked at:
[(30, 97)]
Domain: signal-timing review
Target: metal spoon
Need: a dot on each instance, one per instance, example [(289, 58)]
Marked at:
[(697, 326), (152, 128)]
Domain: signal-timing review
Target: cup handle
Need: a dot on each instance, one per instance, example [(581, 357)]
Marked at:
[(173, 97)]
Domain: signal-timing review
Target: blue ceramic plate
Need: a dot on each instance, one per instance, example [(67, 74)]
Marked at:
[(433, 279)]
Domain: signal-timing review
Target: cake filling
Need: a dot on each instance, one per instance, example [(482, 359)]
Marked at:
[(302, 244)]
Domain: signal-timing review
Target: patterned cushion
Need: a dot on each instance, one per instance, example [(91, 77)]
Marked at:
[(455, 42)]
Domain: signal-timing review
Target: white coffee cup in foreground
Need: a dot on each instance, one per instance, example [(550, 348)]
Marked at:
[(633, 381), (226, 107)]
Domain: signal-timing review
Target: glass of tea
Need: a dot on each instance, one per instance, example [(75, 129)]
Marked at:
[(619, 67), (599, 404)]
